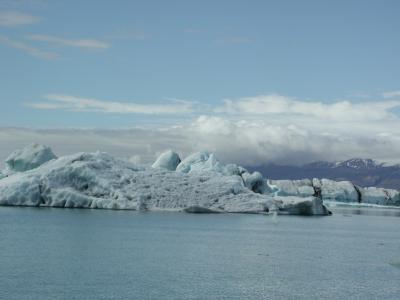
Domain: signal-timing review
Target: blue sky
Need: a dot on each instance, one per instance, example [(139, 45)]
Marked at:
[(124, 64)]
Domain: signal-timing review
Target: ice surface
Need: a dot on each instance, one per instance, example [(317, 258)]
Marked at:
[(98, 180), (256, 183), (200, 162), (380, 196), (302, 188), (30, 157), (343, 191), (168, 160)]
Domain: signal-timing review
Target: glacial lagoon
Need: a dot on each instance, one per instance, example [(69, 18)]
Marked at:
[(50, 253)]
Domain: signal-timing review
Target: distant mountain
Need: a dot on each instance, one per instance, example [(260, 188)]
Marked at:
[(363, 172)]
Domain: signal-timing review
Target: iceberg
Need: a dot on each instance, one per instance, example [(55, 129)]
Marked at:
[(336, 191), (200, 184)]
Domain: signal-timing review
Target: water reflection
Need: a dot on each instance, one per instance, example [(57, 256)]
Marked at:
[(370, 211)]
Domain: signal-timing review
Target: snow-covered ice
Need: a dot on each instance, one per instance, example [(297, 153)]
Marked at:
[(380, 196), (302, 188), (343, 191), (30, 157), (168, 160), (200, 184), (200, 162)]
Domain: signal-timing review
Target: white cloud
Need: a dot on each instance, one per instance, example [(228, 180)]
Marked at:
[(243, 142), (391, 94), (13, 18), (287, 107), (38, 53), (80, 43), (79, 104), (253, 142)]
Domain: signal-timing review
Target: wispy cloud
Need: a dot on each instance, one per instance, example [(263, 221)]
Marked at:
[(285, 106), (35, 52), (391, 94), (79, 104), (14, 18), (80, 43)]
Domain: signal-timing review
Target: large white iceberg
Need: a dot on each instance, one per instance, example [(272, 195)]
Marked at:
[(98, 180)]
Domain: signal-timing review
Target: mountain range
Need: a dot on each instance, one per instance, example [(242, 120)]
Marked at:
[(362, 172)]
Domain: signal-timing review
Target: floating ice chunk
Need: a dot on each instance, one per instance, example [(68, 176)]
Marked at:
[(168, 160), (30, 157)]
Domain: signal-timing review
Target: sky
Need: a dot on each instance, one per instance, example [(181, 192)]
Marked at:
[(253, 81)]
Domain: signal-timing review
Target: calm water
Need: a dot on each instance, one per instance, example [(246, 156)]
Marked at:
[(100, 254)]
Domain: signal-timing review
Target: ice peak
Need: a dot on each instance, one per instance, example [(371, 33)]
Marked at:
[(168, 160), (29, 157)]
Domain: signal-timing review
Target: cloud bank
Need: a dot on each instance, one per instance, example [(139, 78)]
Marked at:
[(249, 131)]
